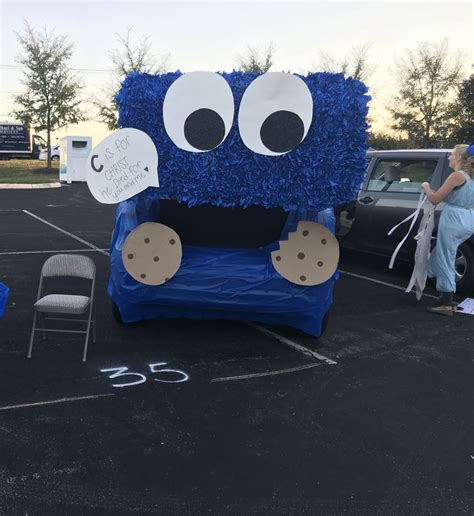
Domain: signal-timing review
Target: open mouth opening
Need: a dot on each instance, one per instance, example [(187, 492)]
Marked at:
[(213, 226)]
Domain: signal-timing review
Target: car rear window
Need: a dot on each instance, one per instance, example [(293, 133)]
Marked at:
[(401, 175)]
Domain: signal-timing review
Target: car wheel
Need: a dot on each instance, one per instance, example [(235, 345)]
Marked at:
[(464, 268), (316, 342), (325, 322), (324, 325), (54, 158), (116, 314), (118, 318)]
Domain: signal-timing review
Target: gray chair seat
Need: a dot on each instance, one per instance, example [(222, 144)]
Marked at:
[(62, 303), (63, 266)]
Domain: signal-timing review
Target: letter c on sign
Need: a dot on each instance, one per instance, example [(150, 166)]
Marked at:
[(93, 165)]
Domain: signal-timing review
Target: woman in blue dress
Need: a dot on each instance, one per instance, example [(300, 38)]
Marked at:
[(456, 224)]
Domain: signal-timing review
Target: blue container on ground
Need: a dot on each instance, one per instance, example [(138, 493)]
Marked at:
[(4, 290)]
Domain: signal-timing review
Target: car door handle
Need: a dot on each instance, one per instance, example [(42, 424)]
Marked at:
[(366, 200)]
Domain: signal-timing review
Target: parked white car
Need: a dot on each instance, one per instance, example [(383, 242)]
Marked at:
[(43, 155)]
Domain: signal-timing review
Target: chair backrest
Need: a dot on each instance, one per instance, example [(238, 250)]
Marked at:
[(75, 265)]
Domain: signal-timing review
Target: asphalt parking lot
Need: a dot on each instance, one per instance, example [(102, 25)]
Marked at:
[(375, 417)]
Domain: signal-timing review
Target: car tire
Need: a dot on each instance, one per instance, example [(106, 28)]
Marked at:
[(54, 158), (465, 256), (316, 342), (118, 318), (116, 314), (325, 321)]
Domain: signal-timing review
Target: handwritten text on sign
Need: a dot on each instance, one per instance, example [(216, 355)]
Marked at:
[(122, 165)]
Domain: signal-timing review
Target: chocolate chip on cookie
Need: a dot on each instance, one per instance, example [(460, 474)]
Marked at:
[(152, 253), (309, 256)]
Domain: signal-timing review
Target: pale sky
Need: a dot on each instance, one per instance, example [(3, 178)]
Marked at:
[(207, 36)]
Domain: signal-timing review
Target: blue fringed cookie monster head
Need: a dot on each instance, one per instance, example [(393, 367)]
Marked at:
[(241, 139)]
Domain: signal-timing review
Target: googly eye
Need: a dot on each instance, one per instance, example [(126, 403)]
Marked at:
[(198, 110), (275, 113)]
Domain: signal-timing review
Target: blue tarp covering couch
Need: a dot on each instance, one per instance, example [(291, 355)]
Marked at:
[(215, 283)]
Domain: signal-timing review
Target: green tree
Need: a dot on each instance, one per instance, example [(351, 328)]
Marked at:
[(125, 59), (462, 114), (388, 141), (256, 59), (427, 78), (51, 100)]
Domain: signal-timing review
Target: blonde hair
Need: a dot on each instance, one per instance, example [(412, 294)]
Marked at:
[(467, 160)]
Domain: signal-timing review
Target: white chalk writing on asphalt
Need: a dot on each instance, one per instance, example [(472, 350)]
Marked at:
[(138, 378)]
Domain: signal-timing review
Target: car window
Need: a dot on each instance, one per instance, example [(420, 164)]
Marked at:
[(401, 175), (38, 140)]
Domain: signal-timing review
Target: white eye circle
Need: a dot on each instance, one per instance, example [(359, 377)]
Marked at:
[(275, 113), (198, 110)]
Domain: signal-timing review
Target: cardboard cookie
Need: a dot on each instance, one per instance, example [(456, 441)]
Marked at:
[(152, 253), (310, 255)]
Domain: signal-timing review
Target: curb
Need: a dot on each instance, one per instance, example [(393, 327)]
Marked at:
[(21, 186)]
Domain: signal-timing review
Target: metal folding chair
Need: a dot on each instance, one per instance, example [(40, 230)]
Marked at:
[(66, 265)]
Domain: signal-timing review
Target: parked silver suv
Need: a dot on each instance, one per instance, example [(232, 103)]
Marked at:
[(389, 194)]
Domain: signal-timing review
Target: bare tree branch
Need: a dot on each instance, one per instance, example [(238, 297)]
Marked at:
[(256, 59), (355, 64), (125, 59)]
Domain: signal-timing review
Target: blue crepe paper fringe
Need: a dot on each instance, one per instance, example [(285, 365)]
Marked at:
[(326, 169)]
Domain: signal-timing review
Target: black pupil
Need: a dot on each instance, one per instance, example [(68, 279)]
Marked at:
[(204, 129), (282, 131)]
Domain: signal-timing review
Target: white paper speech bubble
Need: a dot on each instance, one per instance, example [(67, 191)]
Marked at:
[(122, 165)]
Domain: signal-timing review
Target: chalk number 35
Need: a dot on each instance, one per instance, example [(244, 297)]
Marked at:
[(122, 372)]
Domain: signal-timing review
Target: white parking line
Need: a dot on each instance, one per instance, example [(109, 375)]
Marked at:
[(263, 330), (51, 402), (56, 251), (268, 373), (85, 242), (309, 352), (380, 282), (294, 345)]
